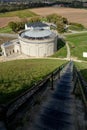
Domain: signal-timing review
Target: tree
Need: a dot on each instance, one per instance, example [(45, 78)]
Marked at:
[(17, 26), (65, 21), (60, 27), (13, 26), (35, 19)]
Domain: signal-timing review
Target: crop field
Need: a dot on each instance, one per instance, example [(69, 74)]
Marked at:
[(82, 69), (5, 18), (78, 45), (21, 14), (19, 75), (72, 14)]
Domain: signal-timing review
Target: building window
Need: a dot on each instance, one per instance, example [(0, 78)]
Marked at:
[(17, 51), (13, 51)]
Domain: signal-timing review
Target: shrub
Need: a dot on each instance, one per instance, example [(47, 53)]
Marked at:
[(16, 26), (78, 25), (13, 26), (35, 19)]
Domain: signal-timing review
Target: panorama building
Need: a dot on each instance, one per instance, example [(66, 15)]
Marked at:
[(37, 40)]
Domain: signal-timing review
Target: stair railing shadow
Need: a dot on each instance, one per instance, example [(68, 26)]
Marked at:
[(80, 88)]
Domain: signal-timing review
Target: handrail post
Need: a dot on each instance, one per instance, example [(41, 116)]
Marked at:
[(52, 86), (59, 73), (75, 84)]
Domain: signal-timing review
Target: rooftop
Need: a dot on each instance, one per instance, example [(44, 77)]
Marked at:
[(37, 24), (36, 33), (8, 43)]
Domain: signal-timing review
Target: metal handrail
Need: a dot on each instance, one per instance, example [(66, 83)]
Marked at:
[(78, 80)]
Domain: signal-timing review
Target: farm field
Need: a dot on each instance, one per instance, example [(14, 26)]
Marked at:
[(19, 75), (82, 68), (78, 45), (5, 18), (21, 14), (72, 14)]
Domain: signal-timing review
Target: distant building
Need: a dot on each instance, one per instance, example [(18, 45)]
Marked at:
[(36, 25), (36, 41)]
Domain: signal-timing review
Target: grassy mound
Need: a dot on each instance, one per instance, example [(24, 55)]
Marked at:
[(78, 45), (82, 67), (18, 76)]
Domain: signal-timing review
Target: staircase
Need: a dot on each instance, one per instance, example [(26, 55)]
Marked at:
[(59, 112)]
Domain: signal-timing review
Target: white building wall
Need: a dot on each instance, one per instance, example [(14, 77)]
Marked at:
[(17, 48), (38, 48)]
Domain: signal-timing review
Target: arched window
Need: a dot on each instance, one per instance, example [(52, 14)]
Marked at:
[(17, 51), (13, 50)]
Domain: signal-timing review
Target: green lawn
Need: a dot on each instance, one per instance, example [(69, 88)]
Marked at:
[(6, 29), (21, 14), (82, 68), (78, 45), (17, 76), (76, 28), (62, 50)]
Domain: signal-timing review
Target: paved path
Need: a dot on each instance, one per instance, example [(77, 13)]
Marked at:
[(68, 51), (9, 35), (75, 32), (58, 112)]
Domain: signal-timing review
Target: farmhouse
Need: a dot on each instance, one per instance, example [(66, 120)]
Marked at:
[(36, 41)]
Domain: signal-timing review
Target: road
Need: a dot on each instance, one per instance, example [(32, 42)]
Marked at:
[(9, 35)]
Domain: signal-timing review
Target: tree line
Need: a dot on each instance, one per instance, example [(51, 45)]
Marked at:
[(59, 21)]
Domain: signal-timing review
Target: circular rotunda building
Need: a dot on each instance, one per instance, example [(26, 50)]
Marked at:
[(37, 40)]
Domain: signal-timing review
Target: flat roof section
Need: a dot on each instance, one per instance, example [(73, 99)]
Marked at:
[(36, 33), (36, 24)]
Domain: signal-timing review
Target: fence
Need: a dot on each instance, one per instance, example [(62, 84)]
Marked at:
[(82, 86)]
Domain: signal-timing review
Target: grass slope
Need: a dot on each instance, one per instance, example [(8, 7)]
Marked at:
[(78, 45), (17, 76), (62, 50), (6, 29), (83, 69), (21, 14)]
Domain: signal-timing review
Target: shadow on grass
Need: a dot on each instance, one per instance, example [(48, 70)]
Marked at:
[(83, 73), (61, 49), (60, 43)]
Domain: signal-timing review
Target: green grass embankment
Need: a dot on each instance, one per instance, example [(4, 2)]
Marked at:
[(18, 76), (82, 67), (78, 45), (6, 29), (62, 50)]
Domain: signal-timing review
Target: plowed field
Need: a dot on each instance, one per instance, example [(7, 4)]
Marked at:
[(73, 15), (5, 20)]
